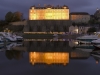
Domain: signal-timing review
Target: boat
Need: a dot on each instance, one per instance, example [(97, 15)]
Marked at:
[(1, 46), (84, 42), (96, 56), (96, 46), (1, 39), (89, 38), (12, 45), (85, 47), (7, 36), (95, 41)]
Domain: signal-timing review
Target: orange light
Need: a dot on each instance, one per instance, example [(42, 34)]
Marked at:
[(49, 58), (49, 14)]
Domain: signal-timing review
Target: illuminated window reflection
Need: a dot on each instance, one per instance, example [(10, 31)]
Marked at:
[(49, 57)]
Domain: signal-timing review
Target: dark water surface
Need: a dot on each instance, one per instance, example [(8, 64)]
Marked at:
[(48, 57)]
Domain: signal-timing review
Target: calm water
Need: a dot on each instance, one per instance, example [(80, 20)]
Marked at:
[(48, 57)]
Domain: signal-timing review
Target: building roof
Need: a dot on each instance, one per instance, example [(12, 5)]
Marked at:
[(49, 6), (97, 13), (79, 13)]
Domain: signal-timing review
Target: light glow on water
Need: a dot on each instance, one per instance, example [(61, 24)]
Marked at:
[(49, 57)]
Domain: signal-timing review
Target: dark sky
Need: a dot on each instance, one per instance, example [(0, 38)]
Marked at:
[(23, 6)]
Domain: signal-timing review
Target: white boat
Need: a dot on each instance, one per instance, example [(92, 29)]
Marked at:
[(97, 46), (85, 47), (84, 42), (89, 38), (85, 50), (1, 39), (96, 55), (10, 37), (12, 45), (96, 41)]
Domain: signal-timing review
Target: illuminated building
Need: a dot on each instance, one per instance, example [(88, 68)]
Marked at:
[(48, 19), (79, 17), (49, 58), (49, 13), (79, 54), (78, 29)]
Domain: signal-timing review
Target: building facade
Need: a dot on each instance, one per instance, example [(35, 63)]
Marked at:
[(49, 13), (48, 19), (19, 23), (78, 29), (79, 17)]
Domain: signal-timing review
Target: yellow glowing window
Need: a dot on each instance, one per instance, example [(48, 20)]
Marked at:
[(48, 8), (64, 7), (32, 7), (31, 10)]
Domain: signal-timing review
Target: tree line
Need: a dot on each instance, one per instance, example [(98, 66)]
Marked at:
[(10, 17)]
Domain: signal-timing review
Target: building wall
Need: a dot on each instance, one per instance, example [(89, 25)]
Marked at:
[(78, 29), (49, 14), (76, 54), (83, 30), (47, 26), (80, 18), (19, 23), (73, 29)]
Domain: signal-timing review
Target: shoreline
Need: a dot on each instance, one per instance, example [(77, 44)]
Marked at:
[(41, 36)]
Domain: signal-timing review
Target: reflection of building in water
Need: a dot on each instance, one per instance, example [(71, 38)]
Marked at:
[(44, 46), (79, 54), (97, 59), (54, 39), (73, 43), (49, 57), (96, 56)]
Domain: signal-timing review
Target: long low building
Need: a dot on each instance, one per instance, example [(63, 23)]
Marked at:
[(79, 17)]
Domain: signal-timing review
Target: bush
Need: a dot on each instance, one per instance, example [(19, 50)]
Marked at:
[(91, 30)]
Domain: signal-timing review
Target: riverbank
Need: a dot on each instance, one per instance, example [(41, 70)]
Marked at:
[(47, 36), (70, 36)]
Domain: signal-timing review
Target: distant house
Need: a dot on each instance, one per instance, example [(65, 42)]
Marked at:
[(73, 29), (78, 29), (79, 17)]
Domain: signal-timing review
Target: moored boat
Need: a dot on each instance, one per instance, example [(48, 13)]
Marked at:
[(96, 46), (7, 36), (89, 38), (96, 41), (85, 47)]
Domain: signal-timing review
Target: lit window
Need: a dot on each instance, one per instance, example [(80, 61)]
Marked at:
[(64, 7), (31, 10), (32, 7)]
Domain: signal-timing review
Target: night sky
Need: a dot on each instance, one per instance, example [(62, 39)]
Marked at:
[(23, 6)]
